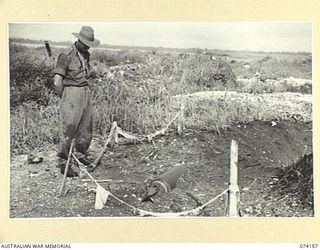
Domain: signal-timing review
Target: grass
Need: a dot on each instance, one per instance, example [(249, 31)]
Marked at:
[(273, 65), (257, 85), (232, 107), (138, 89), (33, 126)]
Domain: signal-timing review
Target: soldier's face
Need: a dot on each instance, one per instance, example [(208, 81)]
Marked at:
[(82, 46)]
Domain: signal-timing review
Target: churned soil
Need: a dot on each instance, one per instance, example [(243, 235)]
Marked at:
[(275, 175)]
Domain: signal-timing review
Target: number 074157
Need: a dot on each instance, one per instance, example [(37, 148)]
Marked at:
[(309, 246)]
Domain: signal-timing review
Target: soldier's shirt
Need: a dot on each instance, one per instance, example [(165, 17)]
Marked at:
[(73, 67)]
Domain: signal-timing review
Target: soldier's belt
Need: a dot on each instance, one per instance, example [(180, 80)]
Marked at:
[(75, 84)]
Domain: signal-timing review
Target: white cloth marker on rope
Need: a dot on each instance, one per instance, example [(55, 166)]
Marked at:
[(101, 197)]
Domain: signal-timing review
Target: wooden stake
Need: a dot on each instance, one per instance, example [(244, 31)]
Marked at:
[(110, 137), (181, 120), (116, 137), (233, 187), (66, 169)]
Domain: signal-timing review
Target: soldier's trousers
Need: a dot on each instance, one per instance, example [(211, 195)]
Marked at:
[(76, 116)]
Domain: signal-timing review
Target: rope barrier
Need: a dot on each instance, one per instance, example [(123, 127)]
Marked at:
[(149, 137), (116, 130), (142, 212)]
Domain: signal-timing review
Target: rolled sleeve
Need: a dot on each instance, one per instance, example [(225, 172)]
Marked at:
[(62, 65)]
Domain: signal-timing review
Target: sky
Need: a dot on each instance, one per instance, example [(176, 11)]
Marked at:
[(253, 36)]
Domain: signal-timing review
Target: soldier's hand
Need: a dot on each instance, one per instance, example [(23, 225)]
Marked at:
[(58, 85), (59, 90)]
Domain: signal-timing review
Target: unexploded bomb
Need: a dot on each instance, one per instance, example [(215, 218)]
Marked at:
[(165, 182)]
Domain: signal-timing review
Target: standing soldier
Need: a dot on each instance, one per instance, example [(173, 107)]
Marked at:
[(71, 80)]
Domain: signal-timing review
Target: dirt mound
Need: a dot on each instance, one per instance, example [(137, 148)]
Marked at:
[(297, 180)]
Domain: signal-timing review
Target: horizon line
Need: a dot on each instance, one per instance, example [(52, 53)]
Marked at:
[(172, 48)]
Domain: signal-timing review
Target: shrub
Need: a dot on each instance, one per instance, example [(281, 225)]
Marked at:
[(195, 70), (16, 48), (113, 58), (31, 79)]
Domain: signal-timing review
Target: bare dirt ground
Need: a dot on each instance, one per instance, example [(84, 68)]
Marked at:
[(266, 152)]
